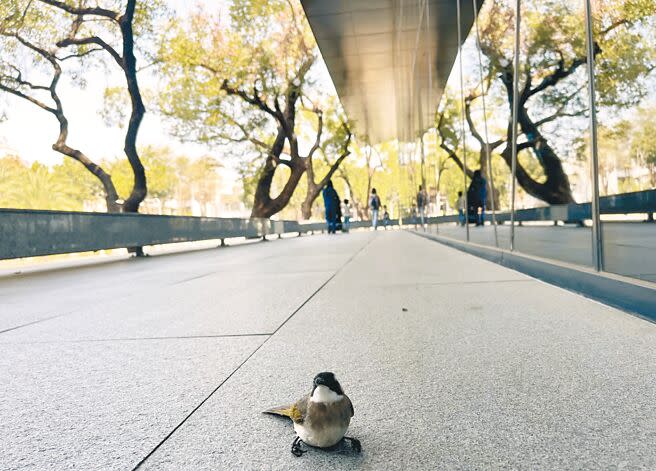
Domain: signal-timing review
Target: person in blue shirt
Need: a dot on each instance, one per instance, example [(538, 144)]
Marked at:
[(331, 204)]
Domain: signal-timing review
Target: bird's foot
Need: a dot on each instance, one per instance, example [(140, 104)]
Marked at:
[(296, 447), (355, 444)]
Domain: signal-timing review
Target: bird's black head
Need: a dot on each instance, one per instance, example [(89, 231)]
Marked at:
[(327, 379)]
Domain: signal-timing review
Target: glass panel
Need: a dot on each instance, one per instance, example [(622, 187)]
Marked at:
[(487, 113), (552, 173), (626, 102)]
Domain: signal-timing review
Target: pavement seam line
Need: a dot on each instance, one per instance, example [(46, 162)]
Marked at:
[(33, 322), (303, 304), (132, 339)]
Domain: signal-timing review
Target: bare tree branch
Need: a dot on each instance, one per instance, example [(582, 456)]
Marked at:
[(70, 41), (317, 142), (345, 153), (560, 114), (79, 55), (81, 10), (452, 154), (561, 72), (253, 100), (22, 95)]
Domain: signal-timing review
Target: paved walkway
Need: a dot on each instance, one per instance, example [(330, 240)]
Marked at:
[(451, 361)]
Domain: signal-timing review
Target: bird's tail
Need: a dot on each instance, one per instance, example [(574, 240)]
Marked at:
[(284, 411)]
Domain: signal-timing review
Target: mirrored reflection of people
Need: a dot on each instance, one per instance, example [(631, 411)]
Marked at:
[(460, 204), (346, 214), (331, 204), (422, 198), (374, 204), (386, 217), (476, 195)]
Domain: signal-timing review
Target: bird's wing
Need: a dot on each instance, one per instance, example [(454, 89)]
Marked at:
[(350, 405), (296, 411)]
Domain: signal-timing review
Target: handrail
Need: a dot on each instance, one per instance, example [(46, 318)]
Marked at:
[(638, 202), (31, 233)]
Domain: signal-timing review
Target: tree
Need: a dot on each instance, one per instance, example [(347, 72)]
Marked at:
[(89, 23), (552, 81), (22, 30), (338, 143), (243, 83)]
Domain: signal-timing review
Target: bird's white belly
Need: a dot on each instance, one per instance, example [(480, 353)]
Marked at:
[(324, 437)]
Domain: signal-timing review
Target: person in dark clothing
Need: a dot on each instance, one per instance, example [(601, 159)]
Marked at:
[(331, 204), (422, 202), (374, 204), (476, 196)]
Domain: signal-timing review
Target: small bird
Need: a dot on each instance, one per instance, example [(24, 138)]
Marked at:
[(322, 417)]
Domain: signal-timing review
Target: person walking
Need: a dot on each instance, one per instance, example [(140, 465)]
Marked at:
[(461, 204), (374, 204), (476, 196), (422, 201), (346, 213), (331, 205), (386, 217)]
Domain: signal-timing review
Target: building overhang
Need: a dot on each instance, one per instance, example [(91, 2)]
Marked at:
[(389, 59)]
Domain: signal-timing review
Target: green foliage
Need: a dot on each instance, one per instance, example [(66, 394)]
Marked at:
[(554, 31), (115, 107), (68, 185), (643, 142), (36, 186), (12, 175), (162, 175), (262, 46)]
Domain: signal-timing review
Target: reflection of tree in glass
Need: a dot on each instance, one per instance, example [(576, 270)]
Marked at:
[(553, 80)]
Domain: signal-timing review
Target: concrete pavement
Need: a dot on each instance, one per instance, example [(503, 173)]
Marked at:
[(451, 361)]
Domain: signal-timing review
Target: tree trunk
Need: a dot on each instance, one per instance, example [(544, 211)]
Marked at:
[(359, 210), (263, 205), (491, 190), (370, 178), (306, 206), (111, 196), (139, 187), (313, 189), (556, 189)]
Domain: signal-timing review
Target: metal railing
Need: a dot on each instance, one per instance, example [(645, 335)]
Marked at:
[(31, 233), (639, 202)]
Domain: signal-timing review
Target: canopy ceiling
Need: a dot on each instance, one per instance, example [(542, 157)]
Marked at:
[(389, 59)]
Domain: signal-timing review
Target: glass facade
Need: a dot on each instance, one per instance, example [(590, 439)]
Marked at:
[(585, 168)]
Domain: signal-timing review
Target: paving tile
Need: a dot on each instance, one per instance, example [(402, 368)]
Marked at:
[(104, 405)]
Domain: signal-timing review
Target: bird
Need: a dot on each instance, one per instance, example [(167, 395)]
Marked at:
[(322, 417)]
